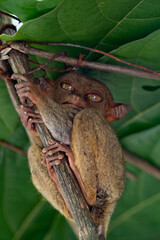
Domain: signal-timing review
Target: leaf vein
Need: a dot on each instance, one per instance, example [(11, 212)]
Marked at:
[(133, 210)]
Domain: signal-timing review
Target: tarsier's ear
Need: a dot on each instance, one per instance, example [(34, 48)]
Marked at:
[(117, 111)]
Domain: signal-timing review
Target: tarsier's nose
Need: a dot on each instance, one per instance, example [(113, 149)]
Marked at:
[(77, 97), (78, 100)]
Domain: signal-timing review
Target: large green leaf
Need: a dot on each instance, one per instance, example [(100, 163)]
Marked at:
[(105, 24), (8, 117), (148, 149), (137, 215), (28, 9), (130, 30)]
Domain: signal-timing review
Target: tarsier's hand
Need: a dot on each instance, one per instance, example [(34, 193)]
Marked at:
[(29, 118), (27, 89)]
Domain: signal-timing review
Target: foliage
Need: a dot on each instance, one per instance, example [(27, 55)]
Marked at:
[(129, 30)]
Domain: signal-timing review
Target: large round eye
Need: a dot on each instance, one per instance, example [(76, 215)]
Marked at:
[(67, 86), (94, 97)]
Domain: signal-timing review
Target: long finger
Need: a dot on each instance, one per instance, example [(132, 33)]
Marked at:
[(46, 149), (33, 121), (33, 115), (52, 152), (25, 89), (21, 76), (26, 109), (21, 85), (53, 158)]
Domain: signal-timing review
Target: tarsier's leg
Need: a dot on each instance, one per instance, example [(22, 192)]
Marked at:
[(53, 155), (98, 157), (44, 184)]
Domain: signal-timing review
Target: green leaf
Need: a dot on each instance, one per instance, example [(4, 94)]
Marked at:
[(28, 9), (8, 116), (148, 149), (105, 24), (137, 215)]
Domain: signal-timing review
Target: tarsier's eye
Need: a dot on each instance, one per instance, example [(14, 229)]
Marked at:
[(67, 86), (94, 97)]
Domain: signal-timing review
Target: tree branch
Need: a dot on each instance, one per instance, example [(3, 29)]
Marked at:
[(22, 47), (96, 51)]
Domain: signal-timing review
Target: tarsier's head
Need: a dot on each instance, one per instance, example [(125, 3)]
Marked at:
[(80, 91)]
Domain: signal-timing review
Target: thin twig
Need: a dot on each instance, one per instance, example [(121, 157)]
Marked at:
[(85, 64), (51, 69), (43, 65), (131, 176), (140, 163), (13, 148), (97, 51)]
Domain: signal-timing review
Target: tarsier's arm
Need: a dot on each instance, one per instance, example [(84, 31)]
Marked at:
[(57, 118), (40, 175)]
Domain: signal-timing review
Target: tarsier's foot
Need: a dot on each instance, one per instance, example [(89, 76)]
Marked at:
[(56, 147), (54, 154), (29, 117)]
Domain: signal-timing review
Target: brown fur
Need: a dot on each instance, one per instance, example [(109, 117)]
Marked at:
[(98, 157), (43, 182)]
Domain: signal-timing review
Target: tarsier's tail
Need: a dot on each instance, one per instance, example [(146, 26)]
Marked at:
[(101, 216)]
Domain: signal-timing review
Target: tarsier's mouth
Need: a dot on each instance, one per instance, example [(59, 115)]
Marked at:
[(72, 105)]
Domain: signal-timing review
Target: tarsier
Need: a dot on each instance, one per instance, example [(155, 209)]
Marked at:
[(76, 109)]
